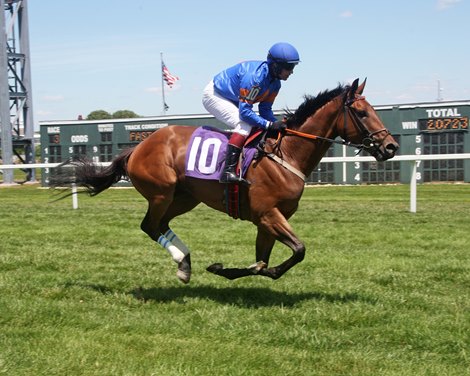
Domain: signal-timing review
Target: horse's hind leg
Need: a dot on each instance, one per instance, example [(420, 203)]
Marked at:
[(184, 264), (156, 225)]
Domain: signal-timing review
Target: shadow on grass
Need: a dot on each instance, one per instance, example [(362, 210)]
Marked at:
[(89, 286), (241, 296), (249, 297)]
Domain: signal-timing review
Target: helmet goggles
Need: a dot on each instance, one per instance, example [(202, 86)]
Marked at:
[(287, 66)]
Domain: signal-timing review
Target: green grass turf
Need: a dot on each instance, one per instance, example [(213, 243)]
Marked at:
[(381, 291)]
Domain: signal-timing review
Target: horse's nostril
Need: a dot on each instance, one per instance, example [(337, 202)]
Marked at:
[(392, 148)]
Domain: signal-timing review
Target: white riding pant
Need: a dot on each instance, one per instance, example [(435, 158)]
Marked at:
[(224, 110)]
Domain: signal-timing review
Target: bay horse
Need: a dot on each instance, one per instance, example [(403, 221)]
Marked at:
[(156, 168)]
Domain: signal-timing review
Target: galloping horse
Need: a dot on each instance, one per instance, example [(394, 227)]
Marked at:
[(156, 168)]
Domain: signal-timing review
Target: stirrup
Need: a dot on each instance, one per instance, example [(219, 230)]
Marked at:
[(230, 178)]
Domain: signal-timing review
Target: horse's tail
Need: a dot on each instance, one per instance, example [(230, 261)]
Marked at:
[(84, 173)]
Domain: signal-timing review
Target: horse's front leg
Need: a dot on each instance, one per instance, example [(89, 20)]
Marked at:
[(264, 245), (273, 226), (276, 225)]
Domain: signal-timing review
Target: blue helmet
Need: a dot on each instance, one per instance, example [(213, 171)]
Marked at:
[(283, 53)]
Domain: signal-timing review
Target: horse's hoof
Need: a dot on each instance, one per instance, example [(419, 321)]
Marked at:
[(256, 268), (183, 276), (184, 269), (215, 268)]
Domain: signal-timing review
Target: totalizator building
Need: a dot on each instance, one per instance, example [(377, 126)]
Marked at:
[(420, 128)]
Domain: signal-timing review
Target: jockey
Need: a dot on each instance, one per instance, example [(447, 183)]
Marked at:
[(231, 94)]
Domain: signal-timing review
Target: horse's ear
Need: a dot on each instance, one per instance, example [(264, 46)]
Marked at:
[(360, 89), (352, 90), (354, 85)]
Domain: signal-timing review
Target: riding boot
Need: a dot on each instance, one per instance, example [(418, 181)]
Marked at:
[(229, 175)]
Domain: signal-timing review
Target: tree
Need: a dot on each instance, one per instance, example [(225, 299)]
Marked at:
[(99, 115), (125, 114)]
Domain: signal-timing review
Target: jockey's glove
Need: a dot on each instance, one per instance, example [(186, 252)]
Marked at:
[(277, 125)]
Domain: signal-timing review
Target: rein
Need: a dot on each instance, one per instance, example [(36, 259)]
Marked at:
[(314, 137)]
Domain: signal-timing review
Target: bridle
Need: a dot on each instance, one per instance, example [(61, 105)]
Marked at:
[(369, 143)]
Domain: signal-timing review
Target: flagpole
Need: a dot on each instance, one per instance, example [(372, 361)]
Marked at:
[(163, 85)]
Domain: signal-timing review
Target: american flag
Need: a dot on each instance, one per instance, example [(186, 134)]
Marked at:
[(167, 76)]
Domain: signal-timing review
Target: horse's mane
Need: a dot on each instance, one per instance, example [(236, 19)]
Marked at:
[(311, 104)]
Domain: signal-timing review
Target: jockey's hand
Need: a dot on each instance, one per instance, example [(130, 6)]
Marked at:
[(278, 125)]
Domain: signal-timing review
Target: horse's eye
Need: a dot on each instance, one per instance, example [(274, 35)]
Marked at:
[(361, 113)]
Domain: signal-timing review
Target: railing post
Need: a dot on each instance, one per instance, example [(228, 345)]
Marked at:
[(414, 167), (74, 196)]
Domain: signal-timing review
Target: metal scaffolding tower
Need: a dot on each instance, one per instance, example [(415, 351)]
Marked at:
[(16, 110)]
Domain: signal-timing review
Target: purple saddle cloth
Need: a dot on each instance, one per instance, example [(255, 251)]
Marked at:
[(205, 156)]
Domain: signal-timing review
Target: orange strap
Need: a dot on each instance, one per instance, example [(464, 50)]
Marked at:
[(301, 134)]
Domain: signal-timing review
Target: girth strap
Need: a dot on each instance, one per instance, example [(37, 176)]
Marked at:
[(286, 165)]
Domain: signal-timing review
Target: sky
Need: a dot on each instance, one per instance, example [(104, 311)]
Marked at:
[(106, 54)]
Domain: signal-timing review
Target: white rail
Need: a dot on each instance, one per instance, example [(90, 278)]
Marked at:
[(414, 159)]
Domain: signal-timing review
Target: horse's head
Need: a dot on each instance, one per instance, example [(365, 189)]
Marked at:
[(361, 125)]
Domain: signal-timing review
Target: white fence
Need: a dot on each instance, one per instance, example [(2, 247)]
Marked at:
[(413, 159)]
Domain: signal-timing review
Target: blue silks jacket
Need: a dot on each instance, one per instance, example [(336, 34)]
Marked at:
[(248, 83)]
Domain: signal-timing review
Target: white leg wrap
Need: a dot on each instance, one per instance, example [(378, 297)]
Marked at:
[(172, 237), (176, 254), (175, 247)]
